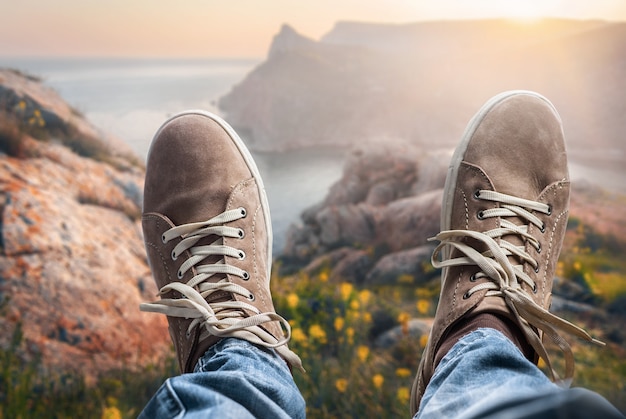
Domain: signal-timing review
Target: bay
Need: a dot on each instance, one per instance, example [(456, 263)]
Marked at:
[(131, 98)]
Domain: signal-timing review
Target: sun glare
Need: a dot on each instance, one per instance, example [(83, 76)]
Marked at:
[(529, 11)]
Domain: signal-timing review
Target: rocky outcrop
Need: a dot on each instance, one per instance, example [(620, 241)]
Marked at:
[(372, 227), (73, 268), (423, 81)]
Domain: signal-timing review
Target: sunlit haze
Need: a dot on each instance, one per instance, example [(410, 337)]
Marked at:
[(239, 28)]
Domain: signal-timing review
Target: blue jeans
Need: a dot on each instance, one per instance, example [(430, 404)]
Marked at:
[(483, 376), (233, 379)]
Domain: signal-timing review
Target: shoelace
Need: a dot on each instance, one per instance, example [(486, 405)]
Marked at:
[(224, 319), (505, 279)]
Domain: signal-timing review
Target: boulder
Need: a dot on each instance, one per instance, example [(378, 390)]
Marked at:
[(409, 222), (73, 268), (395, 265)]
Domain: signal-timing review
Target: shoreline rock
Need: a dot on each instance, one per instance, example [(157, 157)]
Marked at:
[(73, 268)]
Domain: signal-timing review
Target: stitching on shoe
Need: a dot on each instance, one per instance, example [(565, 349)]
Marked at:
[(456, 288), (179, 347), (552, 233), (237, 190), (554, 190), (466, 209), (156, 246), (259, 290)]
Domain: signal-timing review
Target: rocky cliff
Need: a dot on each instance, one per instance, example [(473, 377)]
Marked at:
[(72, 263), (423, 81)]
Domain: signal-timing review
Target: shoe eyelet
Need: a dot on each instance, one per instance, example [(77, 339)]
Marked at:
[(549, 209), (477, 194), (242, 255), (163, 239), (251, 297), (466, 295), (538, 249), (534, 288), (241, 234), (245, 276), (480, 215), (243, 211), (473, 278), (179, 274), (174, 255), (187, 334), (543, 228), (537, 269)]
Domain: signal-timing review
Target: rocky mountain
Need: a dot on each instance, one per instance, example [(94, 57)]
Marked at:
[(73, 268), (421, 82)]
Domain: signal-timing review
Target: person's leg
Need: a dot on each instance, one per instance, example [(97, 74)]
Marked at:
[(504, 216), (485, 375), (208, 238), (234, 379)]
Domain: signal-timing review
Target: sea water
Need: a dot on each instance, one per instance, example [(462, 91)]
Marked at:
[(131, 98)]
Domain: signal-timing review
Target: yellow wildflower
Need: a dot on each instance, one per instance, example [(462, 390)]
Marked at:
[(316, 332), (403, 395), (346, 290), (339, 322), (403, 317), (21, 105), (111, 413), (367, 317), (577, 266), (362, 352), (403, 372), (423, 306), (323, 276), (297, 335), (293, 300), (423, 341), (354, 305), (350, 335), (341, 385), (378, 380), (364, 296)]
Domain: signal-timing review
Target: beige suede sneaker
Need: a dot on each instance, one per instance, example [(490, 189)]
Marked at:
[(503, 221), (208, 236)]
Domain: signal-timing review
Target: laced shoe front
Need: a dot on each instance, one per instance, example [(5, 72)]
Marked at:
[(504, 217), (208, 238)]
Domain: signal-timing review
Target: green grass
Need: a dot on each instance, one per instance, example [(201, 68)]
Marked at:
[(26, 391)]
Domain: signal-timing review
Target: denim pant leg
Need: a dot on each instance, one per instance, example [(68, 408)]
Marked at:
[(234, 379), (486, 376)]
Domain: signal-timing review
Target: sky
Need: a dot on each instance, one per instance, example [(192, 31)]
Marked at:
[(235, 28)]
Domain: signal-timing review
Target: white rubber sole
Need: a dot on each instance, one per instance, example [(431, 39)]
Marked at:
[(247, 156)]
